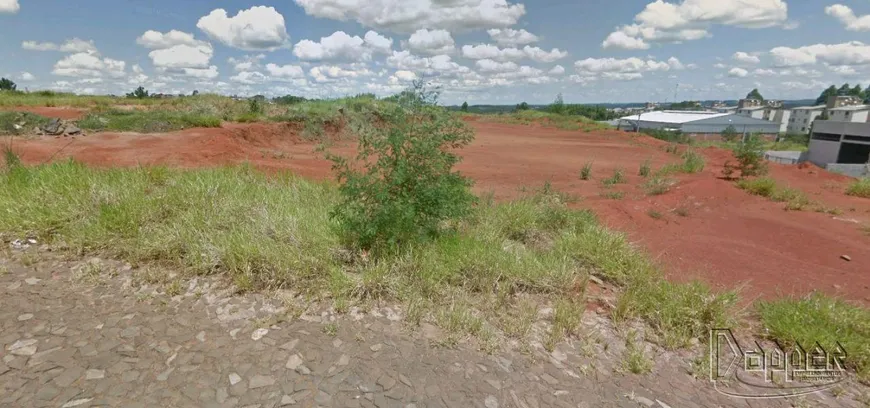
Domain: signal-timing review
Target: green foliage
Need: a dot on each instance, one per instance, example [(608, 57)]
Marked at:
[(586, 171), (10, 159), (693, 162), (644, 168), (668, 135), (464, 107), (522, 106), (138, 93), (754, 94), (686, 105), (618, 177), (16, 123), (153, 121), (730, 134), (859, 188), (255, 106), (7, 85), (658, 185), (750, 158), (844, 90), (818, 318), (558, 106), (288, 100), (402, 184), (764, 186)]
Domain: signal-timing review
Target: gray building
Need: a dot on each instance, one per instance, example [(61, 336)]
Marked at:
[(839, 143), (698, 124)]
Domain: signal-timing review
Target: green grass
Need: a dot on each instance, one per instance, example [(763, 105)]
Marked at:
[(586, 172), (859, 188), (657, 185), (153, 121), (532, 117), (644, 169), (656, 215), (275, 231), (16, 123), (794, 199), (613, 195), (618, 177), (818, 318), (764, 186)]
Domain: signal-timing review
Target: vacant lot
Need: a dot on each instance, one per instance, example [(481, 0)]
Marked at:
[(696, 225)]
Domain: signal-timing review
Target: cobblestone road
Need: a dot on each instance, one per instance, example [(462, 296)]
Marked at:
[(71, 343)]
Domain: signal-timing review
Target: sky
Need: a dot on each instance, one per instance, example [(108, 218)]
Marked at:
[(479, 51)]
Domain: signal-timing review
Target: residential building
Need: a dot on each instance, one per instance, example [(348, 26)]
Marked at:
[(769, 110), (854, 113), (702, 125), (841, 146), (802, 118)]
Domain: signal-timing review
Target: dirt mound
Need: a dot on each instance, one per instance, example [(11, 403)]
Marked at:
[(707, 229), (60, 113)]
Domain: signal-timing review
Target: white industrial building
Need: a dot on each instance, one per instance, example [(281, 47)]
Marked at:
[(855, 114), (698, 124)]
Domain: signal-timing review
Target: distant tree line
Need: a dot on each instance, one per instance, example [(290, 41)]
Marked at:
[(593, 112), (844, 90)]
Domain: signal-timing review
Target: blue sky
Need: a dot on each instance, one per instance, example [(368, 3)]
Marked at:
[(482, 51)]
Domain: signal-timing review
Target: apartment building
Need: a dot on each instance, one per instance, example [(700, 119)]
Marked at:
[(802, 118), (768, 110)]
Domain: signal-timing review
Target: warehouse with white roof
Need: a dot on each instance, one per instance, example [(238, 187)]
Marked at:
[(698, 124)]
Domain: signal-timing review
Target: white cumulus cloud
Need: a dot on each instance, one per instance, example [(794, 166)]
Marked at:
[(246, 63), (157, 40), (182, 56), (510, 37), (26, 76), (849, 53), (745, 58), (74, 45), (738, 72), (663, 21), (339, 45), (431, 42), (557, 70), (257, 28), (378, 43), (88, 65), (489, 51), (9, 6), (285, 71), (848, 17), (404, 16)]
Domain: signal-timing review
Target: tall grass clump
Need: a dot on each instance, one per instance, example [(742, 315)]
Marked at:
[(859, 188), (402, 186), (151, 121), (586, 171), (764, 186), (822, 319)]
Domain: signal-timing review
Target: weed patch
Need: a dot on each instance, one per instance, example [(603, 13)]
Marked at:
[(657, 186), (153, 121), (618, 177), (586, 172), (656, 215), (16, 123), (644, 169), (764, 186), (859, 188), (818, 318)]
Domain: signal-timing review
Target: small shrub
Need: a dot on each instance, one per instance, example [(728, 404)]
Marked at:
[(657, 186), (693, 162), (795, 199), (764, 187), (586, 172), (730, 134), (402, 184), (859, 188), (681, 211), (654, 214), (255, 106), (617, 178), (644, 169), (613, 195), (750, 159)]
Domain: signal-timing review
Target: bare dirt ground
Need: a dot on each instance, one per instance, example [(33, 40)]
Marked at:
[(728, 238), (60, 113)]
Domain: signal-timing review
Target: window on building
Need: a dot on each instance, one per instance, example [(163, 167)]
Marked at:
[(830, 137), (803, 129), (805, 121)]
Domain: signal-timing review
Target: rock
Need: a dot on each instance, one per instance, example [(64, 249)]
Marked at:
[(95, 374), (235, 378), (490, 402), (53, 127), (846, 258), (260, 381), (644, 401), (386, 382), (344, 360), (77, 402), (32, 281), (258, 334), (201, 337), (662, 404), (287, 400), (23, 347), (377, 347), (290, 345), (294, 362), (72, 130), (25, 317)]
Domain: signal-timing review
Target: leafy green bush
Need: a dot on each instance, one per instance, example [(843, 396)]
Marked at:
[(730, 134), (750, 159), (402, 185), (859, 188)]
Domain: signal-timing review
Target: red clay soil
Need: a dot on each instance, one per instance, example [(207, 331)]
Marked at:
[(728, 238), (60, 113)]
